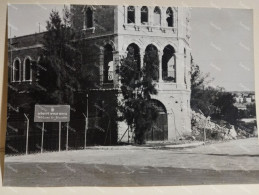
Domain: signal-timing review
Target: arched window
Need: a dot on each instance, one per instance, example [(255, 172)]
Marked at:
[(151, 62), (89, 18), (144, 15), (27, 74), (169, 64), (131, 14), (170, 17), (16, 70), (108, 64), (133, 51), (157, 16)]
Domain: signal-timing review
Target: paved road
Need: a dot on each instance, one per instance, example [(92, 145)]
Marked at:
[(233, 162)]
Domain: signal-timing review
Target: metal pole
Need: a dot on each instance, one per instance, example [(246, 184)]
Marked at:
[(59, 140), (204, 130), (42, 136), (86, 119), (67, 136), (27, 134), (87, 105), (128, 134)]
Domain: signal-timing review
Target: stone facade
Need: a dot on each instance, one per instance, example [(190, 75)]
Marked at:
[(121, 26)]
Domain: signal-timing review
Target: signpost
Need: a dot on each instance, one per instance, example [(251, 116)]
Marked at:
[(86, 121), (52, 113), (27, 133), (42, 136)]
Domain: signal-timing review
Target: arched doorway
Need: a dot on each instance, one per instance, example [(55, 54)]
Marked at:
[(159, 129)]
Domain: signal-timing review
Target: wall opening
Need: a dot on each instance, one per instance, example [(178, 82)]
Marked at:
[(169, 64), (151, 62), (89, 18), (144, 15), (108, 64), (159, 128), (131, 14), (169, 17), (16, 70), (27, 70), (134, 51)]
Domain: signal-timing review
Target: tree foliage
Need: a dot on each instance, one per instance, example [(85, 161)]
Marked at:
[(137, 86), (60, 61), (211, 101)]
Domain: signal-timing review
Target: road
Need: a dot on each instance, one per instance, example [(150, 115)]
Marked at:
[(233, 162)]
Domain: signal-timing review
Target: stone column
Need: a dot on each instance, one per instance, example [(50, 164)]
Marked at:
[(125, 14), (101, 62), (150, 15), (137, 15), (179, 69), (117, 57), (163, 16), (141, 54), (160, 54), (84, 15), (174, 18)]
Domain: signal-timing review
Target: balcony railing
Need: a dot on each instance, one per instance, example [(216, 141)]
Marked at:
[(169, 76), (150, 28)]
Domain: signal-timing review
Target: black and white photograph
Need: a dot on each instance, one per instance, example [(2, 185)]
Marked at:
[(127, 95)]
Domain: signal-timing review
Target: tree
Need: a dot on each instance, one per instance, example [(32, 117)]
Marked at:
[(224, 102), (212, 101), (59, 65), (201, 99), (137, 86)]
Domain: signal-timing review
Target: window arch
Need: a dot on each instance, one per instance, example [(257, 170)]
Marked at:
[(169, 64), (151, 62), (133, 50), (17, 70), (131, 14), (157, 16), (27, 69), (170, 17), (108, 64), (89, 18), (144, 15)]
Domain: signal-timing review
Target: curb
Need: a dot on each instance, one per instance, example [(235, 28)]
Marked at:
[(185, 145)]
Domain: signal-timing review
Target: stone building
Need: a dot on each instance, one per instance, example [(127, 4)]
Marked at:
[(105, 34), (109, 31)]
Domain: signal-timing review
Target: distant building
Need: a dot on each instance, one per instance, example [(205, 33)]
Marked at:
[(240, 106), (248, 99), (239, 99)]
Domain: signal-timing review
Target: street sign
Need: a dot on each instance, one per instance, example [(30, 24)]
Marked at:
[(52, 113)]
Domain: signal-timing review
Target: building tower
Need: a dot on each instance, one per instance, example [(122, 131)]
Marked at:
[(109, 31)]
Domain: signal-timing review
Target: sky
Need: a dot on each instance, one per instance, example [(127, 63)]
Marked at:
[(221, 40)]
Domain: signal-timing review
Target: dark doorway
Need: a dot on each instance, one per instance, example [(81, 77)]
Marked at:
[(159, 129)]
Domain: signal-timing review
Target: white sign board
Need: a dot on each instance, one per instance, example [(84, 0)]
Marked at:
[(52, 113)]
